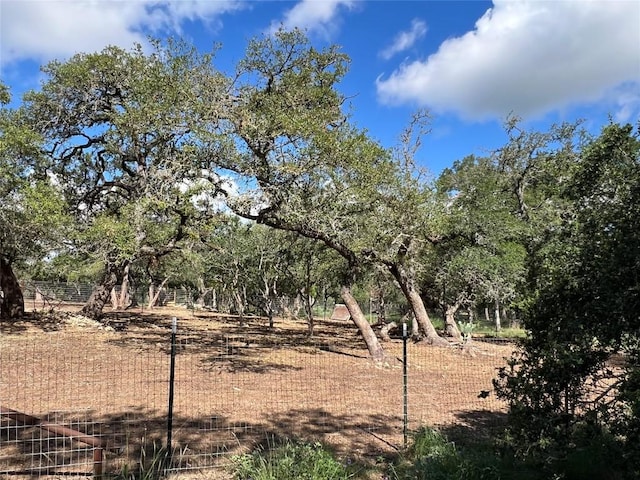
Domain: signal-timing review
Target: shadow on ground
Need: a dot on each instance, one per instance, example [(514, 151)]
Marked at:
[(475, 427), (136, 439)]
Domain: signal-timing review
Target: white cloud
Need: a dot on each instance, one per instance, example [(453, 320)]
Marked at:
[(314, 16), (627, 102), (47, 29), (405, 40), (527, 57)]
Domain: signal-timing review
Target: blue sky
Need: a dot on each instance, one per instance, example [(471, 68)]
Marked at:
[(469, 62)]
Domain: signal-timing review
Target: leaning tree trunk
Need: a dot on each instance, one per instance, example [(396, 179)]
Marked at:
[(373, 345), (102, 292), (12, 303), (407, 285), (422, 318), (384, 331), (154, 293), (450, 325)]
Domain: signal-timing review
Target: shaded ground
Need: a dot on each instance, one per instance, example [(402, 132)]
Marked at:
[(235, 385)]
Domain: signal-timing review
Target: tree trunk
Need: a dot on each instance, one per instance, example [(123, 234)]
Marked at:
[(415, 329), (384, 332), (203, 291), (123, 301), (12, 301), (450, 325), (497, 316), (308, 302), (240, 305), (423, 320), (373, 345), (382, 310), (102, 292), (297, 306), (154, 293), (417, 306), (114, 298)]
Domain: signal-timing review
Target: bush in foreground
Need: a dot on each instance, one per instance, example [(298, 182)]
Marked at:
[(290, 460), (432, 456)]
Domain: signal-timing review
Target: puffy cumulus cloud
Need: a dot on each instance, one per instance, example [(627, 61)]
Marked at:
[(47, 29), (528, 57), (314, 16), (405, 40)]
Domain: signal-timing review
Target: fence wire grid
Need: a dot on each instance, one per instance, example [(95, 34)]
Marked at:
[(236, 383)]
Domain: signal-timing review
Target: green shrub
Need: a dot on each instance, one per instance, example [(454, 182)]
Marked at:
[(432, 456), (289, 460)]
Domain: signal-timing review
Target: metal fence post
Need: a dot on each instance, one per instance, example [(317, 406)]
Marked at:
[(405, 381), (172, 372)]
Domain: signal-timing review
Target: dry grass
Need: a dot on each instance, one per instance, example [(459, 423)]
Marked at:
[(235, 385)]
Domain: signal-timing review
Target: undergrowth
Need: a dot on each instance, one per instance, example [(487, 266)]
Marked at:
[(290, 460)]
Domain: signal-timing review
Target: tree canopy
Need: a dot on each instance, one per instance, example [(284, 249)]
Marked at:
[(576, 376), (156, 167)]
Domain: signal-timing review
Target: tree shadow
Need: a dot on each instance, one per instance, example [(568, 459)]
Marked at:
[(135, 440), (233, 346), (43, 321), (475, 427), (366, 435)]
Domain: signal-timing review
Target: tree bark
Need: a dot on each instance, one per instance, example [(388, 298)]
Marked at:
[(373, 345), (123, 300), (382, 310), (151, 295), (12, 302), (102, 292), (415, 329), (154, 293), (308, 302), (384, 332), (497, 316), (407, 285), (450, 325), (114, 298)]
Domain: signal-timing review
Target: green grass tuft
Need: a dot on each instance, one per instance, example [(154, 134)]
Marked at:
[(289, 460)]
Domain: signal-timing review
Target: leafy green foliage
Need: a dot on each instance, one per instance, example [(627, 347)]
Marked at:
[(34, 213), (289, 460), (573, 384), (121, 136), (432, 456)]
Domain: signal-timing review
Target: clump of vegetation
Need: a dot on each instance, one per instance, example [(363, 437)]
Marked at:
[(466, 329), (151, 465), (573, 407), (290, 460), (432, 456)]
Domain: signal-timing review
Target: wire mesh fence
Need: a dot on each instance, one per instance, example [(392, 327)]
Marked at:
[(235, 384)]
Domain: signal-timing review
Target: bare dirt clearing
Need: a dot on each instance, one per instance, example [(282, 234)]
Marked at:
[(235, 384)]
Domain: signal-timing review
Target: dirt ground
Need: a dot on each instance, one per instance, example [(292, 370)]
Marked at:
[(236, 384)]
